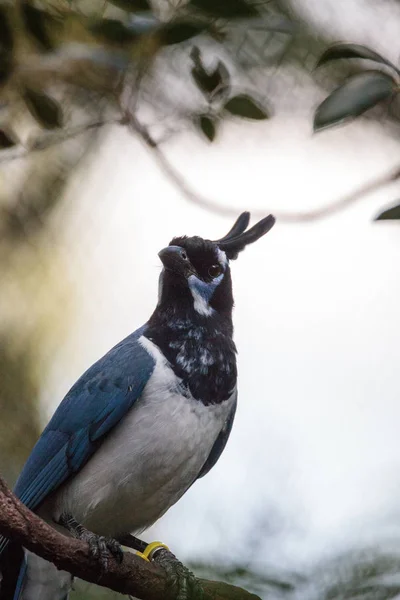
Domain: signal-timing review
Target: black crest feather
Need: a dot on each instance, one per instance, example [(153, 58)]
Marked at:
[(238, 238), (240, 225)]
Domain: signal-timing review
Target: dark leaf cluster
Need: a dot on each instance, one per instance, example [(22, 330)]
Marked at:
[(215, 85), (361, 91), (358, 93)]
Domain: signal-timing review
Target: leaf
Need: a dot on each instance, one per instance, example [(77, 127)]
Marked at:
[(392, 214), (36, 22), (244, 106), (43, 108), (6, 140), (6, 35), (132, 5), (207, 126), (113, 31), (6, 46), (175, 33), (359, 93), (209, 82), (226, 9), (352, 51)]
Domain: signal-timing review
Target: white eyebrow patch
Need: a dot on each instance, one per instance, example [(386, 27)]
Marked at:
[(222, 257), (160, 285)]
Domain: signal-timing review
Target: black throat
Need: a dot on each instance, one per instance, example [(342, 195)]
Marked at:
[(200, 349)]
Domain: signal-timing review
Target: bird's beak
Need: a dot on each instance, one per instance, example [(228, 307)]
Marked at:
[(174, 259)]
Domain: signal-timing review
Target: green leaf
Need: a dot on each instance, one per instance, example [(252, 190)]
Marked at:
[(226, 9), (359, 93), (132, 5), (113, 31), (6, 140), (36, 22), (392, 214), (6, 46), (209, 82), (207, 126), (175, 33), (245, 106), (352, 51), (43, 108), (6, 35)]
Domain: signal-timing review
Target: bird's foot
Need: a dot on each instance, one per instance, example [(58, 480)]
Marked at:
[(180, 580), (100, 547)]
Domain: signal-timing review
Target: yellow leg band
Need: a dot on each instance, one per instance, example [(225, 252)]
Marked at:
[(142, 556), (151, 549)]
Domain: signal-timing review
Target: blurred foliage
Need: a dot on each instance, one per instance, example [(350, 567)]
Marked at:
[(270, 584), (368, 575), (107, 49), (361, 91), (371, 574), (86, 591), (19, 387), (391, 214), (114, 52)]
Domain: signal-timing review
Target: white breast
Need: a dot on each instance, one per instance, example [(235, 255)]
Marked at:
[(148, 461)]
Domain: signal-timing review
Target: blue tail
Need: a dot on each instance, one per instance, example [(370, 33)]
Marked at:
[(12, 569), (26, 575)]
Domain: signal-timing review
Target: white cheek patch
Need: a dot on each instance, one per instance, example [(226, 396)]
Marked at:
[(202, 293), (200, 304)]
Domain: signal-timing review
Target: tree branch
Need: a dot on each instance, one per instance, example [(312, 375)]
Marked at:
[(133, 576), (53, 139), (283, 216), (187, 191)]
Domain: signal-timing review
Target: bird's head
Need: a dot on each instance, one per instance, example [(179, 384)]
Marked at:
[(196, 271)]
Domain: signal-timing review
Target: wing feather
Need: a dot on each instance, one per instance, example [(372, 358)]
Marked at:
[(93, 406)]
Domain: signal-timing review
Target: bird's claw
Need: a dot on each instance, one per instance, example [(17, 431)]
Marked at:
[(183, 583), (101, 547)]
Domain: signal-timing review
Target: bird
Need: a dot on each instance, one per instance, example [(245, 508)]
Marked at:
[(141, 425)]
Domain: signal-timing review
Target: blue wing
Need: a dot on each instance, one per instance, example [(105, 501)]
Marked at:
[(93, 406), (220, 442)]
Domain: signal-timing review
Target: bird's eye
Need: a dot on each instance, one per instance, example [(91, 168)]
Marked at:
[(184, 255), (214, 271)]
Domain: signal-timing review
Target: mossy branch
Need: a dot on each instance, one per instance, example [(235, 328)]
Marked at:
[(133, 576)]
